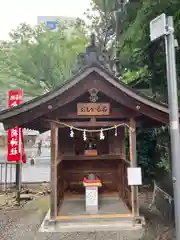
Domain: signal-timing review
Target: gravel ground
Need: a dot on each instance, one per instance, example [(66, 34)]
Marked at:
[(23, 224), (18, 227), (157, 228)]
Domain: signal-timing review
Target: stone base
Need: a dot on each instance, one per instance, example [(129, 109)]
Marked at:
[(92, 209), (91, 199), (124, 229), (47, 220)]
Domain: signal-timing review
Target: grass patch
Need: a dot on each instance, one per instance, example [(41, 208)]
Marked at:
[(40, 203)]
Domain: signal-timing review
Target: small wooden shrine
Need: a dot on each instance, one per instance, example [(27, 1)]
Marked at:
[(91, 118)]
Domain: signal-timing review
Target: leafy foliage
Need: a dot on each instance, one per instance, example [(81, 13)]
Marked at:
[(127, 26), (146, 154), (38, 60), (141, 64), (135, 48)]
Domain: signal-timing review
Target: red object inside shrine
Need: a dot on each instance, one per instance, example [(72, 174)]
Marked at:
[(86, 180)]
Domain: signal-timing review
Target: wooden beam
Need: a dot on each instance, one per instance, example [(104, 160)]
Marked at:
[(132, 140), (133, 161), (75, 116), (98, 157), (116, 112), (94, 124), (88, 123), (106, 216), (54, 155)]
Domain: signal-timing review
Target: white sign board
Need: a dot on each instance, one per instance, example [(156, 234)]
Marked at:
[(158, 27), (91, 196), (134, 176)]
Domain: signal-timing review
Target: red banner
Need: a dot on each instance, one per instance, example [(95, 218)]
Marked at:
[(15, 135), (23, 152), (14, 98)]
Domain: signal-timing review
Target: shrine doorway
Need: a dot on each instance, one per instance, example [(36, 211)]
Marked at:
[(76, 157), (114, 195)]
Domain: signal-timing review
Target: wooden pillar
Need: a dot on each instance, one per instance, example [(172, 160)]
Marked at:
[(133, 160), (117, 143), (54, 153), (122, 142)]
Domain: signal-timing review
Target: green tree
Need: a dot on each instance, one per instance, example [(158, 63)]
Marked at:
[(102, 21), (140, 63), (126, 23), (37, 59)]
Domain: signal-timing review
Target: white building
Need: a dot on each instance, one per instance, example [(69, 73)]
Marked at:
[(51, 21), (29, 136)]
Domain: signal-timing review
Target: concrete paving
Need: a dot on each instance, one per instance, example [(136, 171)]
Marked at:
[(126, 228), (107, 205)]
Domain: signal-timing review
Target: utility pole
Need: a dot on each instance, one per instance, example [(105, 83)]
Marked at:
[(163, 26), (173, 118)]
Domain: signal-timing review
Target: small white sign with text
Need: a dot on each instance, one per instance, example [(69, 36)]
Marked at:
[(134, 176), (91, 196)]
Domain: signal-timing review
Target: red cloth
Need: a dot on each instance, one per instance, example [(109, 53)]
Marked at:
[(23, 152), (13, 154), (15, 135), (97, 180)]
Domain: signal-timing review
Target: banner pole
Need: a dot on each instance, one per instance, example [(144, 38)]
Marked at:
[(18, 198), (16, 141), (18, 182)]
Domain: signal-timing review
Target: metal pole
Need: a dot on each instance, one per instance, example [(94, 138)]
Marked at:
[(173, 118), (17, 176), (18, 182), (18, 167), (6, 176)]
